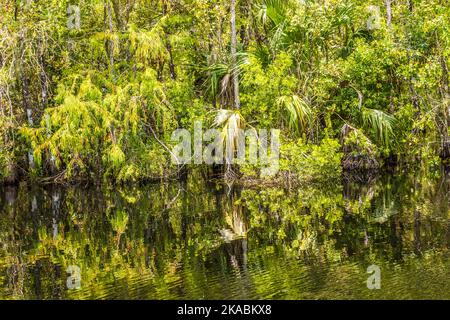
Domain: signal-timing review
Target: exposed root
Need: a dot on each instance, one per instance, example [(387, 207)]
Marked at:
[(359, 162)]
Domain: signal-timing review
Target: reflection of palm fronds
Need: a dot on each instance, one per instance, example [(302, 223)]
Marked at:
[(236, 222), (237, 226), (119, 222)]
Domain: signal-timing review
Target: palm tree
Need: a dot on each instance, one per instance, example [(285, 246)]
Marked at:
[(237, 103)]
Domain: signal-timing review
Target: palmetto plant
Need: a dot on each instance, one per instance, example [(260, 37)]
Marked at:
[(374, 121), (272, 14), (218, 83), (232, 123), (272, 11), (380, 123), (298, 112)]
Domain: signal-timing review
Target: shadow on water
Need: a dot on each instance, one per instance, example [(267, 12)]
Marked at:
[(197, 240)]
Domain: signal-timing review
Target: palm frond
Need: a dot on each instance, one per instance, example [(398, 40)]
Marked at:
[(262, 54), (218, 77), (231, 123), (215, 74), (380, 123), (299, 113), (273, 11)]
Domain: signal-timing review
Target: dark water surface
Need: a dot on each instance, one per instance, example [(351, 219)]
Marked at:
[(196, 240)]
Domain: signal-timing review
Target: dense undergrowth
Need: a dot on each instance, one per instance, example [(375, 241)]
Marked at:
[(347, 88)]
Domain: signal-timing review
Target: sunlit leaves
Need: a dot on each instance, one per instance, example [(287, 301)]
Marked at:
[(299, 113), (379, 122)]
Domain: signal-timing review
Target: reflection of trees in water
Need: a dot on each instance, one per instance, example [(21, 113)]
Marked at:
[(385, 210), (171, 235), (234, 236)]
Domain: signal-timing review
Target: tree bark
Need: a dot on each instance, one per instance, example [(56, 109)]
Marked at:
[(445, 92), (28, 110), (122, 13), (44, 98), (237, 103), (43, 76), (110, 26), (388, 12), (173, 73)]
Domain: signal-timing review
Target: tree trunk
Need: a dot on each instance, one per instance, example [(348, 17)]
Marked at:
[(44, 98), (173, 73), (237, 103), (122, 13), (388, 12), (110, 26), (410, 5), (28, 111), (445, 92), (43, 76)]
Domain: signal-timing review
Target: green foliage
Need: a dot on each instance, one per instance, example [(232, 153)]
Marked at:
[(298, 112), (6, 147), (101, 101), (91, 133), (380, 123), (261, 88), (312, 162)]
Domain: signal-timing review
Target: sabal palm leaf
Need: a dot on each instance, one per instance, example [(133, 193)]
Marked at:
[(379, 122), (232, 123), (279, 38), (219, 75), (262, 54), (273, 14), (273, 11), (299, 113), (215, 75)]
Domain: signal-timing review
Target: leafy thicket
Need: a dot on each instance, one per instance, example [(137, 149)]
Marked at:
[(101, 101)]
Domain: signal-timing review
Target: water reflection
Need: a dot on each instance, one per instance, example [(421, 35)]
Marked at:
[(196, 240)]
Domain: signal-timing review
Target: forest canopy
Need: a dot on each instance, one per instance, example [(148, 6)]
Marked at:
[(92, 90)]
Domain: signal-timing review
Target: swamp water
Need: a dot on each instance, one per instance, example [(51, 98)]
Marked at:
[(198, 240)]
